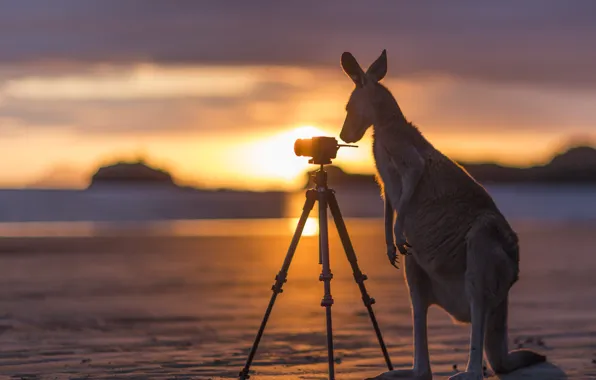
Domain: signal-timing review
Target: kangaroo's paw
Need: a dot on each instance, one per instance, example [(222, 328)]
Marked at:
[(403, 248), (401, 243), (467, 376), (409, 374), (392, 255)]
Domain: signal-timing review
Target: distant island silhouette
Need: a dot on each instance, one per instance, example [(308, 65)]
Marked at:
[(136, 191), (131, 173), (577, 165)]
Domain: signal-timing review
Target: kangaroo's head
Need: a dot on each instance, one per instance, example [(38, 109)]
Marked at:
[(360, 112)]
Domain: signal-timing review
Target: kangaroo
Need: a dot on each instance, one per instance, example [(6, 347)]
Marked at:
[(460, 252)]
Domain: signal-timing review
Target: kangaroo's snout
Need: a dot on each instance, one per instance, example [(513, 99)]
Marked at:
[(352, 130), (345, 137)]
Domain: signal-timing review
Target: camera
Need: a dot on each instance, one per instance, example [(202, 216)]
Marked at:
[(322, 149)]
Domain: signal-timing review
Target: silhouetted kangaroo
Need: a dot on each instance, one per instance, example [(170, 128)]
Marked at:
[(464, 254)]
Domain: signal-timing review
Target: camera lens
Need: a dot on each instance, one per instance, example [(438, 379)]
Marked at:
[(303, 147)]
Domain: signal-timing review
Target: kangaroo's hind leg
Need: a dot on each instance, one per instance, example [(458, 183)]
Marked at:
[(500, 359), (488, 277), (421, 298)]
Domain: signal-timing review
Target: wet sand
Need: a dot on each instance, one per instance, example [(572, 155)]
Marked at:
[(188, 307)]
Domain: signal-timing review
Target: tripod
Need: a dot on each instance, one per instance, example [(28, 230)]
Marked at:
[(326, 198)]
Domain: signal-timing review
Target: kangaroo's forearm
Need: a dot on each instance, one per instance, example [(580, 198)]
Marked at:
[(409, 183), (388, 220), (410, 165)]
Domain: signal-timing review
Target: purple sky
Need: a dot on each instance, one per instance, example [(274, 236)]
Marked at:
[(545, 41)]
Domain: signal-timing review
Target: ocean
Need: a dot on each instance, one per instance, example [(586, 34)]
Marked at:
[(75, 213)]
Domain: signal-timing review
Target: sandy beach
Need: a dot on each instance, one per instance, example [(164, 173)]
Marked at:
[(187, 307)]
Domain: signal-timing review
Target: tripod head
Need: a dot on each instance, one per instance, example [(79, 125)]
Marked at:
[(322, 149), (320, 178)]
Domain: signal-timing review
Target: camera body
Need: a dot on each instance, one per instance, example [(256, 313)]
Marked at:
[(322, 149)]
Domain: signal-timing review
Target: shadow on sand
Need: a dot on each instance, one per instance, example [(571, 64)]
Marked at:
[(544, 371)]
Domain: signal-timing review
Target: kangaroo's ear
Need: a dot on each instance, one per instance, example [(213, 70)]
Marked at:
[(353, 69), (378, 69)]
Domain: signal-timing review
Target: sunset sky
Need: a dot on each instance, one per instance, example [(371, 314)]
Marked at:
[(216, 92)]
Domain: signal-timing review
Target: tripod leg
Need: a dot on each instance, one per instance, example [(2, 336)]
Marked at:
[(280, 279), (358, 275), (326, 277)]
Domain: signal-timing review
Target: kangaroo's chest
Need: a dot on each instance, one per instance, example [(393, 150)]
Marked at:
[(388, 175), (437, 233)]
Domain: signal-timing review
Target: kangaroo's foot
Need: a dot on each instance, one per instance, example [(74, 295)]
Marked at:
[(518, 359), (467, 376), (403, 374), (501, 360)]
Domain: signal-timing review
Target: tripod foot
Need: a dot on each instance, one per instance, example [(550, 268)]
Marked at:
[(243, 375)]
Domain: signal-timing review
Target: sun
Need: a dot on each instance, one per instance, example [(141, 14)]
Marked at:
[(311, 227), (274, 158)]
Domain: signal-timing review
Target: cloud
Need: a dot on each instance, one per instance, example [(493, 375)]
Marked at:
[(316, 97), (11, 127), (156, 99), (536, 41), (62, 176), (266, 106), (144, 82), (459, 107)]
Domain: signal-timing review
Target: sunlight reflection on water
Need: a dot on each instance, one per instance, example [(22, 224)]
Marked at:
[(174, 228)]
